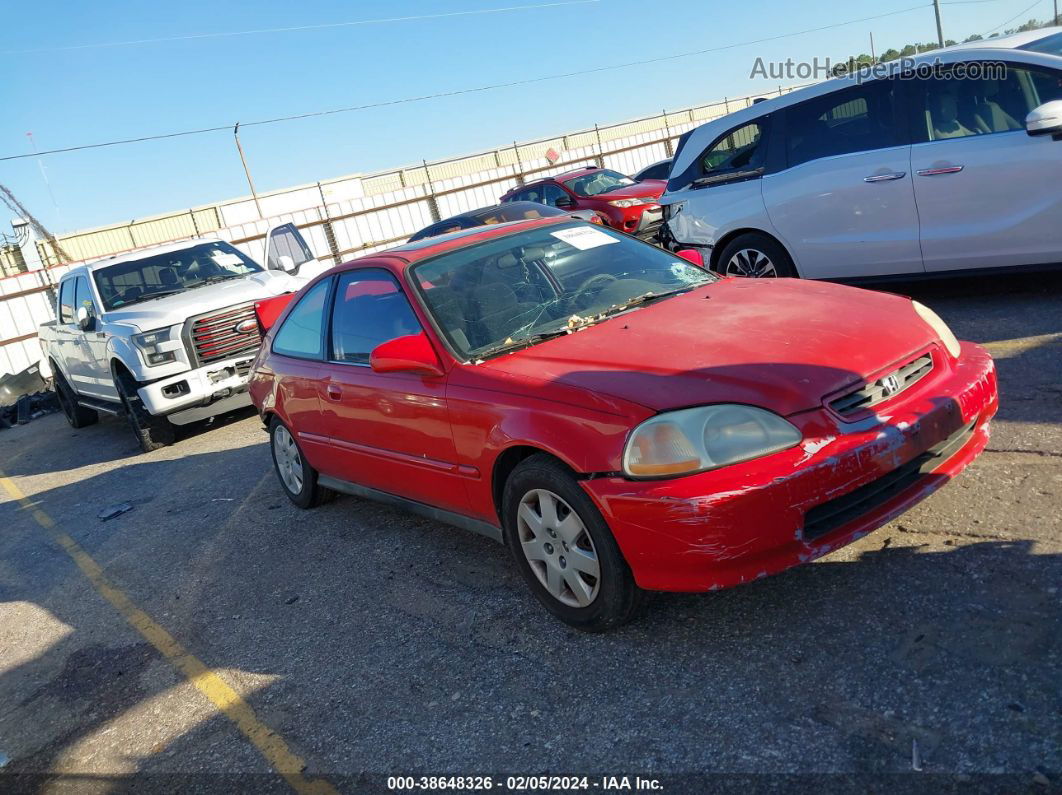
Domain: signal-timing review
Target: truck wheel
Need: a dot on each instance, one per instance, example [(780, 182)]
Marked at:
[(78, 416), (151, 432), (296, 476)]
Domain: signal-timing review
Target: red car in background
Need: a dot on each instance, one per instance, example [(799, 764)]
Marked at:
[(628, 206), (621, 418)]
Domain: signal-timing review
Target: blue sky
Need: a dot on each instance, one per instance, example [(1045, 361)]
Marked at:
[(69, 97)]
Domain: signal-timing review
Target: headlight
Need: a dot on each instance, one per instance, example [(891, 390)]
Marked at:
[(627, 202), (159, 347), (693, 440), (939, 327)]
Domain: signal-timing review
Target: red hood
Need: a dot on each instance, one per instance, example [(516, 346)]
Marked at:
[(782, 344), (649, 189)]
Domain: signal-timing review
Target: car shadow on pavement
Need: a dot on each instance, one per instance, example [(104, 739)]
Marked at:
[(371, 640)]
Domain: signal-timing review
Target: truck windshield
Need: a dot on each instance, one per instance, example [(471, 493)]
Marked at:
[(518, 289), (173, 272)]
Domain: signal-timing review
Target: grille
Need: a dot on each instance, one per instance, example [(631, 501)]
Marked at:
[(214, 337), (885, 387), (829, 516)]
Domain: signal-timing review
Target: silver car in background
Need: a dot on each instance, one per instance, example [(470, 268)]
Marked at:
[(916, 171)]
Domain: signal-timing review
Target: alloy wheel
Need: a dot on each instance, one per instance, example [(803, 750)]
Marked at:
[(753, 263), (558, 548), (289, 461)]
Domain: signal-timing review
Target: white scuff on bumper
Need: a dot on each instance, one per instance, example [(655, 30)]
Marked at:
[(200, 388)]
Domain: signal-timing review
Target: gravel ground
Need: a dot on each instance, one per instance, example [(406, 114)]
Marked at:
[(377, 643)]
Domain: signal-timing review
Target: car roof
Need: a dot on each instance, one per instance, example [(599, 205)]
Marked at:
[(493, 208), (1013, 41), (411, 253), (575, 172)]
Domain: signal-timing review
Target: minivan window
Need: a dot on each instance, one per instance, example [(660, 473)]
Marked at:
[(1052, 45), (961, 108), (856, 119), (741, 148)]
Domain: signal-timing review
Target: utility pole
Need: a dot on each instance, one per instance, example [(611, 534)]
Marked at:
[(247, 171), (873, 55), (940, 30)]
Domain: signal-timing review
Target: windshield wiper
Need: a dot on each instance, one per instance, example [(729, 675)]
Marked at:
[(645, 298), (153, 296), (511, 345)]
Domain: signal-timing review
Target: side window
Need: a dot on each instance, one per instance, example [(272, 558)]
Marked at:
[(550, 194), (519, 196), (83, 297), (956, 107), (369, 309), (742, 148), (302, 334), (66, 302), (857, 119), (285, 241)]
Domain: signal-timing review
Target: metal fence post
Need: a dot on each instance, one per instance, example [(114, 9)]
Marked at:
[(330, 234), (669, 150), (433, 202), (600, 149), (520, 180)]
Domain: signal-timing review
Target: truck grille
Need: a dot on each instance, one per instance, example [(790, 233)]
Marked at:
[(884, 388), (213, 337)]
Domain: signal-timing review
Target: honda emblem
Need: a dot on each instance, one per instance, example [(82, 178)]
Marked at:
[(890, 385)]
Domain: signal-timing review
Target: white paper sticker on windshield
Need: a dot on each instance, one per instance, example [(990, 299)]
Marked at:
[(584, 237), (225, 259)]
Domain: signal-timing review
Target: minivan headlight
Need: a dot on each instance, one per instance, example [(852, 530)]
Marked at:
[(940, 328), (694, 440), (160, 346), (628, 202)]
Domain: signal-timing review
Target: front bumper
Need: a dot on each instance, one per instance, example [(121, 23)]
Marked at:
[(746, 521), (193, 389)]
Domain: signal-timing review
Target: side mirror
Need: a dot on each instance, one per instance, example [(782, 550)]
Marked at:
[(691, 255), (412, 354), (286, 263), (1046, 119), (564, 203), (85, 321)]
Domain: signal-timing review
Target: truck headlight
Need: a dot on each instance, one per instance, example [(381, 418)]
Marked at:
[(694, 440), (160, 346), (940, 328)]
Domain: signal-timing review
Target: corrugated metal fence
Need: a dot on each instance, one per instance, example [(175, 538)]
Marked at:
[(350, 216)]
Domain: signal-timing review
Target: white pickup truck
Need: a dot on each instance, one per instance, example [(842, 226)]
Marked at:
[(165, 335)]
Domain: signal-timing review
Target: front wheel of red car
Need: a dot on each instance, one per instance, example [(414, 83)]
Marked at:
[(297, 478), (564, 548)]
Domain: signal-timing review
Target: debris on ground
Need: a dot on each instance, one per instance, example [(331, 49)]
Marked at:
[(27, 408), (114, 510)]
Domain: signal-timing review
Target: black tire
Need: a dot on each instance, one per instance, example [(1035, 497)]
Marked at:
[(616, 597), (151, 432), (310, 494), (761, 244), (78, 416)]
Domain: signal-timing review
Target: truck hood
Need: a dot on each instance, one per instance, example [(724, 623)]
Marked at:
[(177, 308), (782, 344)]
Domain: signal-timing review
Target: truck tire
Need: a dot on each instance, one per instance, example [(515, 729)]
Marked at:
[(77, 415), (151, 432)]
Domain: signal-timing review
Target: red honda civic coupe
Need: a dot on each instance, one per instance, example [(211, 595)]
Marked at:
[(622, 419)]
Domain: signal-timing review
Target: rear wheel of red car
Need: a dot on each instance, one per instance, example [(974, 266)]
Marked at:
[(564, 549), (297, 478), (755, 255)]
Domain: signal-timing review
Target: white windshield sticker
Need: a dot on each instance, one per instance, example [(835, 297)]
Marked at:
[(225, 258), (584, 237)]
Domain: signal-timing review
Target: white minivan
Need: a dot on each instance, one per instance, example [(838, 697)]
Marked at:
[(919, 171)]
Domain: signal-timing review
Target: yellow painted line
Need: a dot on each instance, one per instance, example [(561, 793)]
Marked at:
[(210, 684), (1022, 344)]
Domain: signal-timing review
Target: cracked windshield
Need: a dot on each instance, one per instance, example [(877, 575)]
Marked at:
[(173, 272), (523, 288)]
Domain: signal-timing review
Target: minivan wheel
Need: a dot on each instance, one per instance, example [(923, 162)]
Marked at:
[(755, 255), (564, 549), (297, 478)]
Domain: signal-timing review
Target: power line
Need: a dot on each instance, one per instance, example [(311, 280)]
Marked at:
[(1016, 16), (463, 91), (297, 28)]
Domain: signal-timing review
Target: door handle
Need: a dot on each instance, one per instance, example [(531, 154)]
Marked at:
[(932, 172), (333, 392), (886, 177)]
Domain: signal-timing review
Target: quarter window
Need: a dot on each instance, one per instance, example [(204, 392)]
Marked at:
[(857, 119), (302, 334), (369, 310), (740, 149)]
